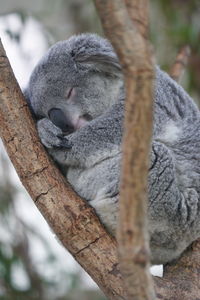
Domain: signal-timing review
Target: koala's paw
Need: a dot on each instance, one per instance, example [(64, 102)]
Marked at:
[(51, 136)]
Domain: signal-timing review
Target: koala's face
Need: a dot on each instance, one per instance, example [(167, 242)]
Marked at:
[(72, 90)]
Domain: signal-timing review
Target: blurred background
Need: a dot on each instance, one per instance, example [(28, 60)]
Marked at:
[(33, 264)]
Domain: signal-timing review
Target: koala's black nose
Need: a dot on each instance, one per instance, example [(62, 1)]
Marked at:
[(59, 119)]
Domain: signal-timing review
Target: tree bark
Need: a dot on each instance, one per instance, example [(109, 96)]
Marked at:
[(139, 12), (74, 222), (119, 23)]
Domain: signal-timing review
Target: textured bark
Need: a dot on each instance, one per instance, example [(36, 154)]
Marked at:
[(119, 22), (138, 12), (74, 222)]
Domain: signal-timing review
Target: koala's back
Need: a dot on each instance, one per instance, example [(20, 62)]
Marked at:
[(174, 180), (177, 126)]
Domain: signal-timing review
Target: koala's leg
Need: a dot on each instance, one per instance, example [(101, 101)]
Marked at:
[(173, 208), (99, 185), (107, 210)]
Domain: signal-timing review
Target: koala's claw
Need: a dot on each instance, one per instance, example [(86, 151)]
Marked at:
[(60, 135), (65, 144)]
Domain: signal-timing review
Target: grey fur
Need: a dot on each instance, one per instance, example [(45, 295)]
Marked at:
[(91, 162)]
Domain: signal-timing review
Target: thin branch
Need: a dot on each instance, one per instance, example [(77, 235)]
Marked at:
[(135, 58), (74, 222), (180, 63), (181, 278)]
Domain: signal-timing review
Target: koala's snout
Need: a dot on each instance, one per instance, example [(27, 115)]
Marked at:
[(59, 119)]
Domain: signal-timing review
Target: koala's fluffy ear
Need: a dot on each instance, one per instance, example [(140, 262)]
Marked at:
[(101, 62)]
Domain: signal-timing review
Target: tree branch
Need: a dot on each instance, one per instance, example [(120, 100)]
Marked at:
[(139, 14), (135, 57), (180, 63), (74, 222), (181, 277)]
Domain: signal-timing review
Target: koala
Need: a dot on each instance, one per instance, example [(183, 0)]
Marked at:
[(76, 93)]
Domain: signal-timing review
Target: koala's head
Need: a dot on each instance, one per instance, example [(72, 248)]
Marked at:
[(75, 82)]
